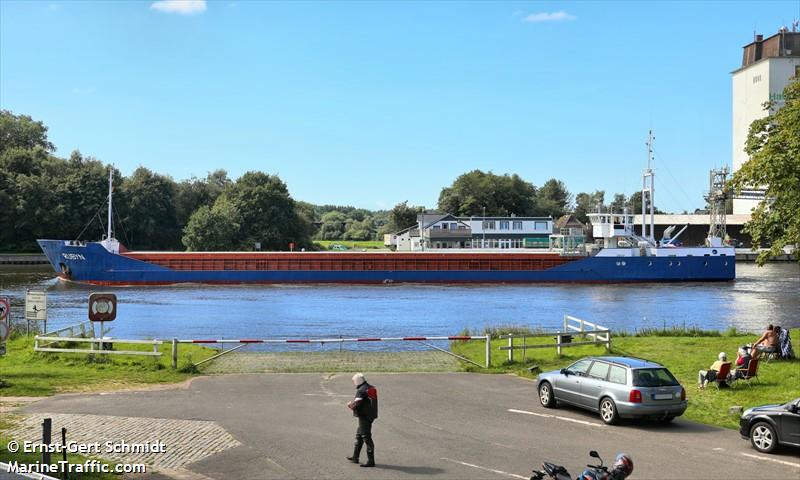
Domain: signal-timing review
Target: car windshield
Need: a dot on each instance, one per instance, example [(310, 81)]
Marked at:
[(653, 377)]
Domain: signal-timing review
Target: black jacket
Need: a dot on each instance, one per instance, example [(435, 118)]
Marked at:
[(366, 402)]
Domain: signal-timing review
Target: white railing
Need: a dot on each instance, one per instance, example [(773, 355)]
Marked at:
[(572, 326), (600, 333), (92, 341)]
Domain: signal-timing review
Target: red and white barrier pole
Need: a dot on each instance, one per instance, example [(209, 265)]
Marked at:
[(243, 341)]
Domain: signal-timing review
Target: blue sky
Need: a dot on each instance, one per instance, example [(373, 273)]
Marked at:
[(372, 103)]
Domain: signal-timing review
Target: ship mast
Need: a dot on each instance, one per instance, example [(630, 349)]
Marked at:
[(110, 196), (110, 243), (648, 179)]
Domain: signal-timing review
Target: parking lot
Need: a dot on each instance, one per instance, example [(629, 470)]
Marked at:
[(437, 425)]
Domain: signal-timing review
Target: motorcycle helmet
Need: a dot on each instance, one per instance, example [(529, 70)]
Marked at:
[(623, 464)]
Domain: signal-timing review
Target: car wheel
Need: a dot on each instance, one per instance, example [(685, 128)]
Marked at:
[(546, 395), (763, 437), (608, 411)]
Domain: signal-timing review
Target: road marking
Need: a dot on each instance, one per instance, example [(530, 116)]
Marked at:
[(514, 410), (582, 422), (717, 449), (782, 462), (566, 419), (486, 469)]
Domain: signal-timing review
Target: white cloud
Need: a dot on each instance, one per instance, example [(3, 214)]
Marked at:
[(558, 16), (181, 7)]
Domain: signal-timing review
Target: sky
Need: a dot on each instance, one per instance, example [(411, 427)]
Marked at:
[(373, 103)]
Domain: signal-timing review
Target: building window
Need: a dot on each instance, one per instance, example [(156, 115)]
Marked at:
[(503, 225), (488, 224), (756, 78), (437, 227), (444, 226), (517, 225), (453, 226), (540, 226)]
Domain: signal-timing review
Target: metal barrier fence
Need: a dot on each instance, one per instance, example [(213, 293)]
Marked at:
[(82, 327), (92, 342), (601, 336), (244, 342)]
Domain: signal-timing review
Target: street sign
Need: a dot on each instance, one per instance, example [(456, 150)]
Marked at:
[(5, 307), (36, 305), (102, 307), (4, 331)]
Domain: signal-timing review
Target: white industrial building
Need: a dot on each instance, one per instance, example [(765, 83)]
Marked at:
[(767, 67)]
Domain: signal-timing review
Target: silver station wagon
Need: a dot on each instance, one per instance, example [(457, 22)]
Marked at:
[(616, 387)]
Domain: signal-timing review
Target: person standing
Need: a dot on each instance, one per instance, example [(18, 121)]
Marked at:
[(365, 407)]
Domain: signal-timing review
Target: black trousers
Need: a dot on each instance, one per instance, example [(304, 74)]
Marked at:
[(364, 434)]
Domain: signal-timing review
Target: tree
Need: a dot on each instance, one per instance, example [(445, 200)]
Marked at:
[(586, 203), (213, 228), (334, 224), (21, 131), (267, 213), (193, 193), (553, 198), (360, 230), (618, 204), (402, 216), (773, 145), (148, 210), (505, 194)]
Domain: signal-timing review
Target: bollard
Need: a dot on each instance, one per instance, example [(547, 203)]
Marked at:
[(510, 348), (64, 451), (488, 350), (174, 353), (47, 428)]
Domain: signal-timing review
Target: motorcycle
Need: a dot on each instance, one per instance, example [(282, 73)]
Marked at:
[(623, 466)]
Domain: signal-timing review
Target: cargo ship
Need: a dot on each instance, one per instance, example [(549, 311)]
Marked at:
[(618, 255)]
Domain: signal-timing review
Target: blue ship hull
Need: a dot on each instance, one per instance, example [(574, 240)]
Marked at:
[(92, 263)]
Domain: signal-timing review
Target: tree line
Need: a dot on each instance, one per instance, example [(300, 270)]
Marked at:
[(45, 196)]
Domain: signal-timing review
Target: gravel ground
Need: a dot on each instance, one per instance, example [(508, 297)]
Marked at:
[(345, 361)]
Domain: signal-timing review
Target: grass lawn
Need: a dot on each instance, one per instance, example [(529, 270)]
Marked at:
[(684, 356), (352, 245), (24, 372)]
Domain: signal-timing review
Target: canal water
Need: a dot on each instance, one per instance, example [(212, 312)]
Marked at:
[(759, 296)]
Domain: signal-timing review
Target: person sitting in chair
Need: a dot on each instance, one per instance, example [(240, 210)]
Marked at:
[(705, 376), (768, 342), (742, 363)]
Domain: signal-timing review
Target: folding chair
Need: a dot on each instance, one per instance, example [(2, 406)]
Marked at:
[(750, 372), (722, 375)]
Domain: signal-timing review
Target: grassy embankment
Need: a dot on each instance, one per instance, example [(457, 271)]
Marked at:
[(24, 372), (352, 245), (684, 355)]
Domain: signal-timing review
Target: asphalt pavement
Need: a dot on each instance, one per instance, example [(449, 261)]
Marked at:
[(436, 425)]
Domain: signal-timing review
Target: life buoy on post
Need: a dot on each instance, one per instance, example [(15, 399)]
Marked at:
[(102, 307)]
